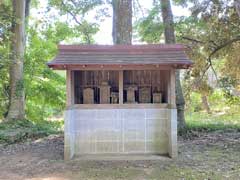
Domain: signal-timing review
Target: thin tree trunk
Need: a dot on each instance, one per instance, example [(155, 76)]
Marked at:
[(17, 100), (205, 103), (122, 21), (237, 6), (167, 17)]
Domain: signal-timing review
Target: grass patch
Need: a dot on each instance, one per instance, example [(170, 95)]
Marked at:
[(211, 122), (218, 121), (20, 130)]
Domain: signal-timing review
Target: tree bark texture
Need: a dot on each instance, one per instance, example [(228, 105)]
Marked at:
[(122, 21), (17, 100), (169, 35), (237, 6)]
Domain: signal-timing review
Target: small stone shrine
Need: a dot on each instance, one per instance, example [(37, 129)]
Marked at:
[(131, 93), (88, 96), (145, 95), (114, 97), (104, 93), (157, 97)]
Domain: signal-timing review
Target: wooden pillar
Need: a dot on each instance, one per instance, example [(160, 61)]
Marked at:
[(68, 136), (172, 118), (172, 88), (120, 86), (69, 88)]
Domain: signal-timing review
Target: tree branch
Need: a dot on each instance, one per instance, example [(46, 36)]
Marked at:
[(209, 59), (223, 46), (73, 15), (193, 40), (140, 7)]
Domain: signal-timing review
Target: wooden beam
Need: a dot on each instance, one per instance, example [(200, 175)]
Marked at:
[(120, 87), (114, 67), (119, 106)]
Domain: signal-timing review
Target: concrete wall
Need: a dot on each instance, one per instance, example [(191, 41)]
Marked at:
[(120, 131)]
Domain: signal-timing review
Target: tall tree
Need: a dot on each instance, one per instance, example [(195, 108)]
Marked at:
[(17, 102), (167, 17), (122, 21)]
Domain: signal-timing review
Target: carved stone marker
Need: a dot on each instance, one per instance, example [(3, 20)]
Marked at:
[(88, 96), (104, 93), (157, 98), (131, 93), (145, 95), (114, 97)]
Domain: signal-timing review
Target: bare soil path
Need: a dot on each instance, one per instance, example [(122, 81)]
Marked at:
[(207, 157)]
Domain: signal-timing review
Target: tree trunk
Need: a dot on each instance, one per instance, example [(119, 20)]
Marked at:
[(205, 103), (122, 21), (17, 101), (237, 6), (169, 34)]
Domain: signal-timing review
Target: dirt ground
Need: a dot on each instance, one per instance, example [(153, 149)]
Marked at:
[(207, 157)]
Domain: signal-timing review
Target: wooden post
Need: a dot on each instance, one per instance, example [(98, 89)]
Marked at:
[(172, 89), (120, 86), (69, 88), (67, 119), (72, 88), (172, 121)]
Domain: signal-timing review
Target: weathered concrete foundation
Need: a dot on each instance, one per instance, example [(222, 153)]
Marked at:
[(120, 131)]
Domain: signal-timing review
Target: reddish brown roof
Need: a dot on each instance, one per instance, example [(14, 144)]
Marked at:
[(159, 54)]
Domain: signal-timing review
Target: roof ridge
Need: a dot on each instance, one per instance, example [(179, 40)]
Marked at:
[(96, 47)]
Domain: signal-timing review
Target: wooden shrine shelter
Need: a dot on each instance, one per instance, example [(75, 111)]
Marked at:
[(120, 98)]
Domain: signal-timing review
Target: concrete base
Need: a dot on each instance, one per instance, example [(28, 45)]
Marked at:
[(172, 133), (121, 157), (120, 132)]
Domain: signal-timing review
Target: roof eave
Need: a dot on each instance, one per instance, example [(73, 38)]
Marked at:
[(120, 66)]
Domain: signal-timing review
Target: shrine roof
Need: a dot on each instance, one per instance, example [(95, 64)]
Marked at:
[(109, 55)]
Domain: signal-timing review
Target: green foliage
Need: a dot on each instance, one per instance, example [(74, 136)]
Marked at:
[(45, 89), (21, 130), (224, 116), (5, 27), (76, 7), (87, 31), (194, 102), (5, 21), (228, 85), (212, 37), (151, 28), (78, 10)]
